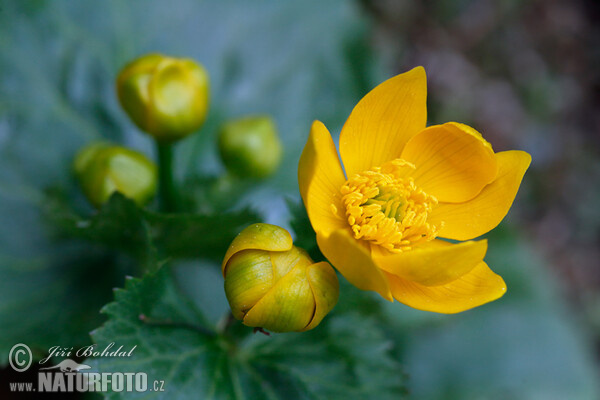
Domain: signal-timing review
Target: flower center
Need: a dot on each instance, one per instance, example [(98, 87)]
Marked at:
[(383, 205)]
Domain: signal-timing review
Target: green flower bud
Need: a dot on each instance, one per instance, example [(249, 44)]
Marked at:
[(250, 146), (272, 284), (103, 169), (165, 97)]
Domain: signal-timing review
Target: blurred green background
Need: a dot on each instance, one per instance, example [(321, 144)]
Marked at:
[(524, 73)]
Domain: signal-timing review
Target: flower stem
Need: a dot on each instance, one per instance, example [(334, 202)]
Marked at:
[(166, 184)]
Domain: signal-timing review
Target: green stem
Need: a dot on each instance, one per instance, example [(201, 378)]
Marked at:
[(166, 184)]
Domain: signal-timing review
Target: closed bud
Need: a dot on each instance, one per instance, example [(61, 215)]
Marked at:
[(272, 284), (250, 146), (103, 169), (165, 97)]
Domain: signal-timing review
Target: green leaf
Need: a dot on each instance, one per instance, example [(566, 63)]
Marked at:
[(334, 361), (122, 225), (119, 223), (66, 277), (198, 236), (175, 344)]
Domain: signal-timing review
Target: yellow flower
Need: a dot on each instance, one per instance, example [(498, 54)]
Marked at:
[(405, 187), (272, 284)]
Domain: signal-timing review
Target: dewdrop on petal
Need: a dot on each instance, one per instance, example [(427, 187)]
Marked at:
[(272, 284)]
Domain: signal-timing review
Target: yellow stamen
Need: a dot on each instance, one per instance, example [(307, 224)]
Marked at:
[(385, 206)]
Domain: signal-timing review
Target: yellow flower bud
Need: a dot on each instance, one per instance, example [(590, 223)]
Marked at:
[(250, 146), (165, 97), (272, 284), (103, 169)]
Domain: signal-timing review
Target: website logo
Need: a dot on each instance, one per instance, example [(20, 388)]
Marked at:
[(70, 376)]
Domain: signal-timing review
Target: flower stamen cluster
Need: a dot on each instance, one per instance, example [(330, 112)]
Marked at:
[(385, 206)]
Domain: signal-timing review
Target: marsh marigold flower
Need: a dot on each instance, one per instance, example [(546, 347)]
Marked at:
[(405, 187), (272, 284)]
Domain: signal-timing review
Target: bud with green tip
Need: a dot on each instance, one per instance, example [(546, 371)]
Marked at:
[(103, 169), (165, 97), (250, 146), (272, 284)]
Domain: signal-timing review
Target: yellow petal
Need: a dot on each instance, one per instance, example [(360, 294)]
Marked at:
[(326, 290), (249, 278), (483, 213), (383, 121), (478, 287), (259, 237), (284, 261), (288, 306), (453, 163), (142, 65), (320, 178), (353, 261), (435, 264), (178, 102)]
